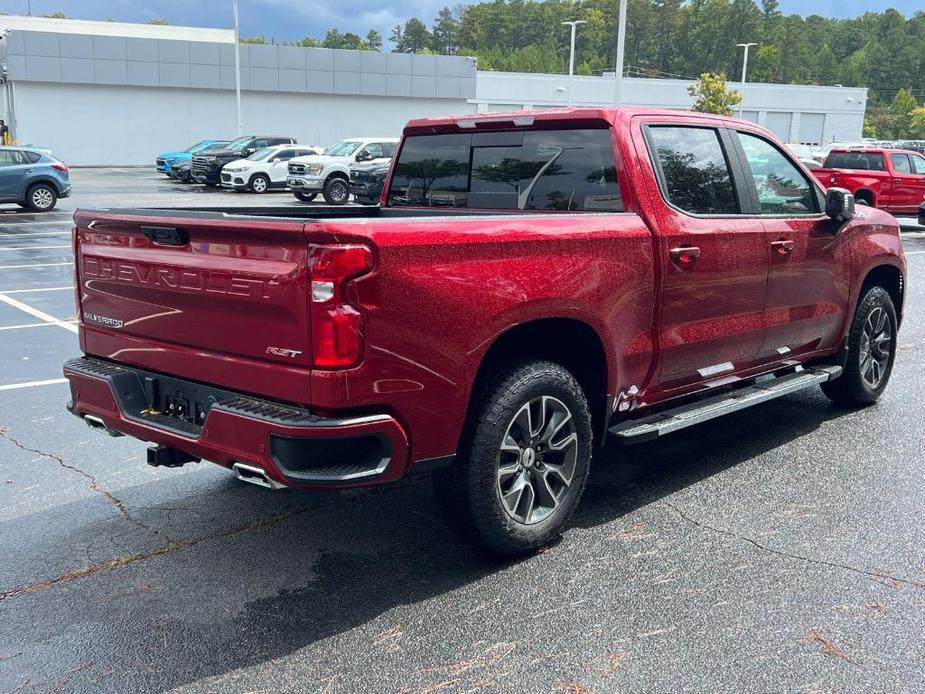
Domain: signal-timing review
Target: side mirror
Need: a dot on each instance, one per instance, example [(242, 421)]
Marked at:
[(839, 204), (248, 151), (364, 156)]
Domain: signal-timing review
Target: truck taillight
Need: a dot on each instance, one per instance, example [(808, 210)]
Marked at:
[(337, 326)]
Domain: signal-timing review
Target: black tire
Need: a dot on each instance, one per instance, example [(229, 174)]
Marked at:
[(864, 197), (857, 387), (259, 181), (211, 184), (305, 197), (336, 191), (471, 491), (41, 197)]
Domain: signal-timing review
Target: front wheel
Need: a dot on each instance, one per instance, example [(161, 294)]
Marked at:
[(523, 462), (41, 197), (260, 183), (305, 197), (336, 191), (871, 352)]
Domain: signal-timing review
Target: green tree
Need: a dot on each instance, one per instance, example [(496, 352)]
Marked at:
[(53, 15), (445, 32), (711, 95), (901, 109), (373, 40), (413, 37), (917, 123), (159, 21), (260, 40)]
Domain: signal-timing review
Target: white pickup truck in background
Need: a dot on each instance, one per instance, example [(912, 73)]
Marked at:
[(329, 173)]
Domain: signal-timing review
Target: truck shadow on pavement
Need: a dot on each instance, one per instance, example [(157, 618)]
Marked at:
[(332, 565)]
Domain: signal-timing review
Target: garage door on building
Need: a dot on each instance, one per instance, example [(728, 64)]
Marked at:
[(778, 122), (750, 115), (811, 128)]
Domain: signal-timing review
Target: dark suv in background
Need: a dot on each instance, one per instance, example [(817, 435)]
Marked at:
[(207, 166)]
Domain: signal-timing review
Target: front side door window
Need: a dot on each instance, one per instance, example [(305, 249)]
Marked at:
[(781, 186)]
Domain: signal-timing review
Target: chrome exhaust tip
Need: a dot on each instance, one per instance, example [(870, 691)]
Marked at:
[(96, 423), (255, 475)]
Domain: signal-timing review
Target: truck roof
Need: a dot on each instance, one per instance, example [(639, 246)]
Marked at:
[(873, 150), (527, 118)]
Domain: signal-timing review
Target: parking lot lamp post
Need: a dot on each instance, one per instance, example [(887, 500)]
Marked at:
[(571, 56), (621, 48), (237, 65), (746, 46)]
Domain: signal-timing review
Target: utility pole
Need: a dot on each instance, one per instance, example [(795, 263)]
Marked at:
[(237, 65), (621, 49), (746, 46), (571, 57)]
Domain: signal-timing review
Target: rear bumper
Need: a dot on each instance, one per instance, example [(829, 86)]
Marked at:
[(292, 445)]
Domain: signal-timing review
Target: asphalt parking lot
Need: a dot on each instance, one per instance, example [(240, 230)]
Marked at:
[(778, 549)]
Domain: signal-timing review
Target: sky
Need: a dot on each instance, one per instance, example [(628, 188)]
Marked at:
[(293, 19)]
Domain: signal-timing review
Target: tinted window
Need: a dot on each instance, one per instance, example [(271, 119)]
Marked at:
[(569, 170), (532, 170), (432, 170), (918, 165), (389, 148), (694, 169), (32, 157), (862, 161), (901, 163), (259, 143), (374, 149), (782, 187)]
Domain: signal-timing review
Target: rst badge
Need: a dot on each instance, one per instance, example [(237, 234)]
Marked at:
[(103, 320), (280, 352)]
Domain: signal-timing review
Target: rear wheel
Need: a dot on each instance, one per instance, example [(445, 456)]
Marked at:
[(305, 197), (259, 183), (864, 197), (523, 461), (336, 191), (41, 197), (871, 352)]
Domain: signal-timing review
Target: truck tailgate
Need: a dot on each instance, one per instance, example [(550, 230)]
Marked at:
[(217, 299)]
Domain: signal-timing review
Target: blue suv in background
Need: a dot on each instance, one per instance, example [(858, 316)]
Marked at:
[(164, 163), (32, 178)]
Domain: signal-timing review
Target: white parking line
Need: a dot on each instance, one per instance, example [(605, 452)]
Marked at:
[(37, 289), (914, 252), (23, 267), (35, 313), (31, 325), (33, 384), (31, 248), (34, 233)]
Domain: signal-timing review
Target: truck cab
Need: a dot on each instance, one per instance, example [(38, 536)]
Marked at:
[(891, 179)]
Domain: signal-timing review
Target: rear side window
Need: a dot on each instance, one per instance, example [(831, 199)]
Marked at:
[(520, 170), (860, 161), (695, 175), (32, 157), (782, 188), (901, 163)]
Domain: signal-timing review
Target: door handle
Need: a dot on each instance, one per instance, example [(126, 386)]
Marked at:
[(897, 180), (783, 247), (685, 256)]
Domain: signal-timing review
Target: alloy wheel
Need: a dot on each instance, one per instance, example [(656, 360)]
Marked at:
[(876, 343), (537, 460), (338, 191), (259, 184), (42, 198)]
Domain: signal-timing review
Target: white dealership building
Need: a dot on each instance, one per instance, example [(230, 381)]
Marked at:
[(107, 93)]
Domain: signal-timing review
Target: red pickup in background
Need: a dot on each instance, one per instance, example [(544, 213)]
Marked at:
[(891, 179)]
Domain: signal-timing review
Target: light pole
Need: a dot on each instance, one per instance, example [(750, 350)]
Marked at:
[(237, 65), (571, 56), (621, 48), (746, 46)]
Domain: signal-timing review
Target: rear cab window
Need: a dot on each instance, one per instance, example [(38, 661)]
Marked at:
[(562, 170), (860, 161)]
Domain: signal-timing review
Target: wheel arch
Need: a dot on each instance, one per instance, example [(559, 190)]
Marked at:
[(866, 194), (569, 342), (48, 180), (889, 277)]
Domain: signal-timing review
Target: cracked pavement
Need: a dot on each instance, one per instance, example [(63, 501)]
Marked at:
[(779, 549)]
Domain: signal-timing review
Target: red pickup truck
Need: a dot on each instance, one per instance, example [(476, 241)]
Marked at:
[(891, 179), (530, 284)]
